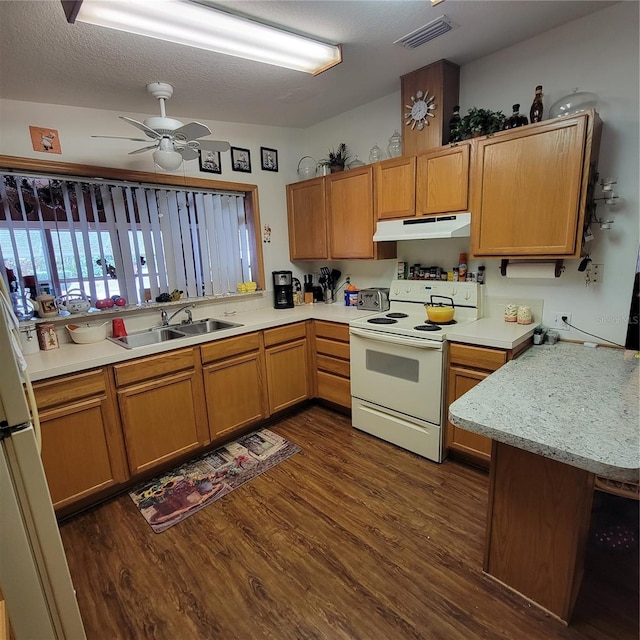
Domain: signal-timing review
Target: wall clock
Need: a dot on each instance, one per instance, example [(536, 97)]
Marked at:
[(420, 109)]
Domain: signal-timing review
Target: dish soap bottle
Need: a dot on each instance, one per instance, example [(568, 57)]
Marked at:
[(535, 114)]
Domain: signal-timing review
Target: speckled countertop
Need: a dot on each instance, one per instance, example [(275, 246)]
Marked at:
[(567, 402)]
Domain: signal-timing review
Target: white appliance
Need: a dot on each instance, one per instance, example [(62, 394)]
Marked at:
[(34, 575), (397, 364)]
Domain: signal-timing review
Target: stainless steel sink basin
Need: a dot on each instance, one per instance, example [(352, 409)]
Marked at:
[(173, 332), (208, 325)]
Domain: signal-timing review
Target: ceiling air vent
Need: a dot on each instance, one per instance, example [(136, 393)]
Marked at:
[(430, 31)]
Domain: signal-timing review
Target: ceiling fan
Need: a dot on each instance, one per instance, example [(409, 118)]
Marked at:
[(174, 141)]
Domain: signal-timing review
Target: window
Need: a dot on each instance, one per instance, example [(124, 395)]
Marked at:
[(134, 240)]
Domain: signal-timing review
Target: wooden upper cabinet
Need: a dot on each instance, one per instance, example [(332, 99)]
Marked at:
[(395, 193), (307, 220), (529, 188), (351, 217), (442, 181)]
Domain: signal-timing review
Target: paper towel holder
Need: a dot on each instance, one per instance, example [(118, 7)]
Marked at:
[(559, 268)]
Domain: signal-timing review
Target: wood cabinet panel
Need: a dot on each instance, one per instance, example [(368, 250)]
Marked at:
[(222, 349), (442, 181), (235, 393), (477, 357), (154, 366), (333, 348), (331, 330), (334, 389), (307, 220), (285, 333), (75, 451), (529, 188), (395, 188), (162, 419), (288, 380), (52, 393), (333, 365)]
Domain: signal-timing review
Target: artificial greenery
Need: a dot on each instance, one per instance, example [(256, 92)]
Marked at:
[(337, 157), (477, 122)]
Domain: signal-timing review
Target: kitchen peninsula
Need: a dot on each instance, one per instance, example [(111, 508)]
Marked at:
[(558, 416)]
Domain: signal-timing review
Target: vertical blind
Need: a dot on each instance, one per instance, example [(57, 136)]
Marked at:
[(136, 241)]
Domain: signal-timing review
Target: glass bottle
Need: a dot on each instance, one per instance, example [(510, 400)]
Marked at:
[(535, 114), (375, 154), (454, 135), (516, 120), (395, 145)]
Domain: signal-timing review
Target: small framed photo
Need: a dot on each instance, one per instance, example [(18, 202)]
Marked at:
[(269, 158), (210, 161), (241, 159)]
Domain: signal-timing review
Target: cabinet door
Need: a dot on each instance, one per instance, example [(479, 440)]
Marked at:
[(528, 190), (307, 220), (78, 452), (474, 445), (442, 182), (162, 419), (351, 220), (234, 390), (395, 188), (287, 374)]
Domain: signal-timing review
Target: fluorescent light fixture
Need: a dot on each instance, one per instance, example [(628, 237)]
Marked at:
[(204, 27)]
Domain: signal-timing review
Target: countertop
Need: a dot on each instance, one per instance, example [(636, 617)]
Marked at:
[(492, 332), (571, 403)]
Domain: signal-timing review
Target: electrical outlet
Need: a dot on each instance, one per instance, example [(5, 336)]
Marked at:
[(558, 323), (347, 279), (596, 273)]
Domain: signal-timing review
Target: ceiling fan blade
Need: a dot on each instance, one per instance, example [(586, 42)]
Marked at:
[(214, 145), (143, 149), (188, 153), (123, 138), (191, 131), (152, 133)]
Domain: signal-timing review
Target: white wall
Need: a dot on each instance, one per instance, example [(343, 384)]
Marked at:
[(598, 53), (76, 125)]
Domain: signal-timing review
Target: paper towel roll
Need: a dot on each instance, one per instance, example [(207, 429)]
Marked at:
[(531, 270)]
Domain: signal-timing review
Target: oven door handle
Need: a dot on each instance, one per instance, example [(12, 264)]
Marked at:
[(394, 339)]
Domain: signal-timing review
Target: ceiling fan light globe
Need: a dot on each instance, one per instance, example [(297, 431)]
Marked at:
[(167, 160)]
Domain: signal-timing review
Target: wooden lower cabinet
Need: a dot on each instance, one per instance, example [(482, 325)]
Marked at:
[(332, 363), (162, 408), (234, 383), (469, 365), (82, 447), (287, 366)]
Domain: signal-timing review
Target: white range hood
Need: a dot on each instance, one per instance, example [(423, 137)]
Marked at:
[(456, 225)]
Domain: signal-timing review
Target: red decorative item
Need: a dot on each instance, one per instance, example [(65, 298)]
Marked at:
[(120, 302), (117, 328), (104, 303)]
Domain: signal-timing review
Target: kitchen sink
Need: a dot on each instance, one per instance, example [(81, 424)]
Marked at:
[(208, 325), (157, 335)]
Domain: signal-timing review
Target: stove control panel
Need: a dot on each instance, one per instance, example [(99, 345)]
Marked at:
[(463, 294)]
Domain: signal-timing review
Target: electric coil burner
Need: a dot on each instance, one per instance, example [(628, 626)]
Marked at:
[(397, 364)]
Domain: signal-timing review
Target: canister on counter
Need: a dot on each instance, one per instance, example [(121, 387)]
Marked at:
[(47, 336), (524, 315), (511, 313)]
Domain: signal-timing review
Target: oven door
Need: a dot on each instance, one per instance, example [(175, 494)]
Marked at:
[(400, 373)]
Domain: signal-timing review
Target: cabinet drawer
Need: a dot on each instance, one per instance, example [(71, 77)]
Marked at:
[(477, 357), (332, 330), (221, 349), (154, 366), (287, 333), (64, 390), (331, 348), (334, 389), (333, 365)]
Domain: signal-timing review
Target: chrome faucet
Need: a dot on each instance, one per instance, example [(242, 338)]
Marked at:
[(167, 319)]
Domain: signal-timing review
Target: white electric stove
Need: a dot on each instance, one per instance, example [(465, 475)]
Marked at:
[(397, 364)]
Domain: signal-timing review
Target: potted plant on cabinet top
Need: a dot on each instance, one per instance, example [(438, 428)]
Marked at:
[(337, 158), (477, 122)]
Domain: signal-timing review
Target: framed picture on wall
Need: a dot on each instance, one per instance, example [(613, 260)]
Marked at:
[(241, 159), (269, 159), (210, 161), (45, 140)]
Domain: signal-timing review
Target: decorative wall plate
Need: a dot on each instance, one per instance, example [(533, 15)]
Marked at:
[(420, 109)]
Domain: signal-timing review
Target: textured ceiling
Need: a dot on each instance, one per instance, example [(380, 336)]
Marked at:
[(45, 59)]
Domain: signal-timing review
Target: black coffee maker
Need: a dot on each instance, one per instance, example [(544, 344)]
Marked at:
[(282, 289)]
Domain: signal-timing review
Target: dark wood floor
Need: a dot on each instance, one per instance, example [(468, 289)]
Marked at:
[(352, 538)]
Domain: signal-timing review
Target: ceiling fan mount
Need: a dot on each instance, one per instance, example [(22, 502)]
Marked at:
[(171, 136)]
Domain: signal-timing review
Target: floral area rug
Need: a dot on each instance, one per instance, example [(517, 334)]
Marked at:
[(174, 496)]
